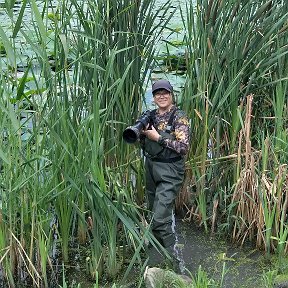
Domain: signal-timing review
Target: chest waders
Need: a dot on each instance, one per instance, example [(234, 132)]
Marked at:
[(164, 170)]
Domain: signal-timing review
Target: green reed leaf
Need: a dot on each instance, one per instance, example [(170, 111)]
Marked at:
[(21, 86), (39, 21), (8, 47), (19, 20), (4, 157)]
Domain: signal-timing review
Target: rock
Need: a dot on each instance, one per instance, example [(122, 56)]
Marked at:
[(281, 281), (156, 277), (281, 285)]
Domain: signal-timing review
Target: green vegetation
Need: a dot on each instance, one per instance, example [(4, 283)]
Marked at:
[(66, 176), (62, 156), (236, 93)]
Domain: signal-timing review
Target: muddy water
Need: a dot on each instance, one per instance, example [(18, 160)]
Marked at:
[(220, 259), (226, 265)]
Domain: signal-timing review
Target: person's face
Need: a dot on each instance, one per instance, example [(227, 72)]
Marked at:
[(163, 98)]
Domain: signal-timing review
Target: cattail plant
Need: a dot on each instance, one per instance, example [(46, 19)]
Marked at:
[(68, 177), (236, 49)]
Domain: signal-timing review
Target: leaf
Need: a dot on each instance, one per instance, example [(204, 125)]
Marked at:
[(11, 113), (4, 157), (9, 4), (21, 87), (19, 19), (92, 65), (8, 47), (34, 45), (39, 21), (63, 40)]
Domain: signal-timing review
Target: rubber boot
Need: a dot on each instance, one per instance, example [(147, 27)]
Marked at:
[(155, 257), (173, 261)]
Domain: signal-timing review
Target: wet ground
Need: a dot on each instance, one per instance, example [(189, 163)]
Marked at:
[(221, 260), (224, 263), (227, 265), (236, 266)]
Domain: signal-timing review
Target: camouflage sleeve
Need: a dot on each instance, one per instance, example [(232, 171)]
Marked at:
[(182, 134)]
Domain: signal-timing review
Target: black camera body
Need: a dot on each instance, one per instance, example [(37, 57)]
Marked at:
[(132, 133)]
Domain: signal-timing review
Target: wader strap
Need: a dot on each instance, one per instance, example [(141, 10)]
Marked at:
[(170, 122)]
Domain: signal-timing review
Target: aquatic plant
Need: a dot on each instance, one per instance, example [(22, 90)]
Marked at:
[(236, 94), (66, 175), (69, 174)]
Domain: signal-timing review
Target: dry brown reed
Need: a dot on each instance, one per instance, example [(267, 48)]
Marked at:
[(261, 207), (276, 195), (245, 193), (183, 196)]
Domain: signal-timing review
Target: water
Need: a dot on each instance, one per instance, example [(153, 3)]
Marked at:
[(158, 72), (174, 34), (219, 258), (222, 261)]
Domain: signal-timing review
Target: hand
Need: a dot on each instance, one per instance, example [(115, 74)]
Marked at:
[(152, 134)]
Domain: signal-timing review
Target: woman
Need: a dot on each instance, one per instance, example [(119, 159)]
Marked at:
[(165, 144)]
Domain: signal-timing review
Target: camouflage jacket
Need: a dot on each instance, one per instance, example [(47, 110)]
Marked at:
[(180, 129)]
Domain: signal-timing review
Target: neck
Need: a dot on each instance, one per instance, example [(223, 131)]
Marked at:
[(164, 110)]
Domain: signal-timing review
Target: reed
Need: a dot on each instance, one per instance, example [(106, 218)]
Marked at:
[(44, 244), (73, 161), (269, 278), (62, 154), (201, 280), (237, 50)]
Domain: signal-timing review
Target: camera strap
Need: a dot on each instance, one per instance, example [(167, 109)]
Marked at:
[(170, 121)]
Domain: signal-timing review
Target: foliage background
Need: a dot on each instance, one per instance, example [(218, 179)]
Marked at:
[(66, 175)]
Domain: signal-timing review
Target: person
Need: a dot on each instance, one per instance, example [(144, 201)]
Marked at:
[(165, 144)]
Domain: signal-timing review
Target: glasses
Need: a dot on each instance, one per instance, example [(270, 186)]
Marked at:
[(159, 94)]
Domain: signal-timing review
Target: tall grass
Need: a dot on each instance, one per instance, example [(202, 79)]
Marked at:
[(85, 83), (236, 94), (68, 179)]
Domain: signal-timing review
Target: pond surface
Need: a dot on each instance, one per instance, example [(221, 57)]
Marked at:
[(222, 261), (166, 51), (239, 267)]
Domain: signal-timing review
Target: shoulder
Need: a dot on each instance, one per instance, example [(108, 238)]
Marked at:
[(181, 117), (180, 113)]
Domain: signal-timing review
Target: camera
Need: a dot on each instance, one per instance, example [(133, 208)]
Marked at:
[(132, 133)]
